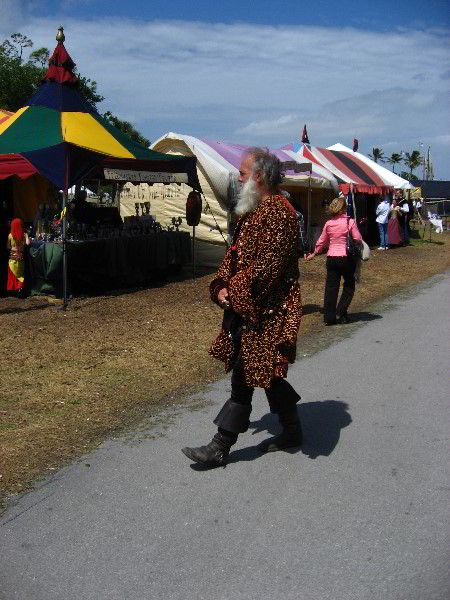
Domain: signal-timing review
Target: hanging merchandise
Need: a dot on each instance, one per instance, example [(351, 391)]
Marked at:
[(193, 208)]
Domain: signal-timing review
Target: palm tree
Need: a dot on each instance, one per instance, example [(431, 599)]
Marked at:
[(412, 160), (394, 160), (377, 155)]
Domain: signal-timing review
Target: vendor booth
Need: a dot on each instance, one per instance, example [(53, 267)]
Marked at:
[(58, 140), (218, 169), (357, 177)]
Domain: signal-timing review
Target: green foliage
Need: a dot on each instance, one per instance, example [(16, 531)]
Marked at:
[(394, 159), (40, 56), (89, 90), (377, 155), (19, 79), (412, 161), (22, 41), (409, 176), (127, 128)]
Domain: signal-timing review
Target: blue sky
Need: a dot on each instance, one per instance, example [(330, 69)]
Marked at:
[(255, 72)]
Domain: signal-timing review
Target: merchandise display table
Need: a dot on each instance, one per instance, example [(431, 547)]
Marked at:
[(107, 263)]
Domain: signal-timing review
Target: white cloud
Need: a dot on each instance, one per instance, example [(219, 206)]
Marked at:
[(249, 83)]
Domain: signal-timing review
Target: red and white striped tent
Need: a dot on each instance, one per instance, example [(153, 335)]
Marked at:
[(347, 168)]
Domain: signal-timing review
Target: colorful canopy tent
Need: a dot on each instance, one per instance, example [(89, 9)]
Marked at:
[(393, 179), (59, 128), (347, 168), (61, 137), (217, 165)]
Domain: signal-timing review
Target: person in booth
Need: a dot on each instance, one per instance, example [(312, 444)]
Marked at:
[(257, 287)]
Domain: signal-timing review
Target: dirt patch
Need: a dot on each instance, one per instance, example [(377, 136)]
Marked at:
[(70, 379)]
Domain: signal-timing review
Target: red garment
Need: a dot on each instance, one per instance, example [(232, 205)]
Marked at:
[(14, 284), (17, 229)]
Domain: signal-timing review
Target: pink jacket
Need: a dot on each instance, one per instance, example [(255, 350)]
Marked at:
[(334, 235)]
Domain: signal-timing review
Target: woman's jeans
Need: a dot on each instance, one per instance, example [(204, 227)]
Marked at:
[(337, 267), (383, 227)]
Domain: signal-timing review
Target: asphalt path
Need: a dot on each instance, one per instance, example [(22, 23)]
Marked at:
[(360, 513)]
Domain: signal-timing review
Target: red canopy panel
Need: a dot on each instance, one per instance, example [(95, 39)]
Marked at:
[(365, 189), (15, 164)]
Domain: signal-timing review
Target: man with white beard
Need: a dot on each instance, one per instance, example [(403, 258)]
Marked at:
[(257, 287)]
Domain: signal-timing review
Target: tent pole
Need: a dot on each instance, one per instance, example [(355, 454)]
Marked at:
[(308, 230), (64, 210), (193, 250)]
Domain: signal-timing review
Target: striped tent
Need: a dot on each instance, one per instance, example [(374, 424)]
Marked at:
[(346, 167)]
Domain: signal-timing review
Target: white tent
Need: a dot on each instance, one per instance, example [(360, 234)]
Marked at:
[(391, 178), (217, 166)]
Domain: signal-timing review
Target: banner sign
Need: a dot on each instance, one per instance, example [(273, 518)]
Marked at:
[(293, 165), (144, 176)]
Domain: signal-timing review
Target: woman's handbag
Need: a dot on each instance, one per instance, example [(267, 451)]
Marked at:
[(353, 249)]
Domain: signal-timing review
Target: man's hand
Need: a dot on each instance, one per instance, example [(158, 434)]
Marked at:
[(223, 298)]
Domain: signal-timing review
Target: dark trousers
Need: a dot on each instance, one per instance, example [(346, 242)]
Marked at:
[(280, 395), (337, 267)]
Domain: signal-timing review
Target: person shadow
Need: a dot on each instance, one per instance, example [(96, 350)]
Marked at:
[(363, 317), (309, 309), (322, 422)]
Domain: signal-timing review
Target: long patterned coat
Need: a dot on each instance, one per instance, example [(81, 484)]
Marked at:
[(265, 290)]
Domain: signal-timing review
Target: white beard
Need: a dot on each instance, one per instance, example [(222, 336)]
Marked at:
[(249, 198)]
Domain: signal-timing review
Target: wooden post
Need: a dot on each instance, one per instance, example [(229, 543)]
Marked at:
[(193, 250), (308, 229), (64, 210)]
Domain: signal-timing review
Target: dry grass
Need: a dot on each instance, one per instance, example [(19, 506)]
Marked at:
[(68, 379)]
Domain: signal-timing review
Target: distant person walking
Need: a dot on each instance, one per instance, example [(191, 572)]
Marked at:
[(257, 287), (334, 236), (382, 212)]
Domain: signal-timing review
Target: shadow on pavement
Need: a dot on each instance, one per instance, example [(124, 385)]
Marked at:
[(362, 316), (321, 423)]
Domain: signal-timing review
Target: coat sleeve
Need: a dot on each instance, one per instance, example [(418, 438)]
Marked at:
[(277, 247), (222, 277)]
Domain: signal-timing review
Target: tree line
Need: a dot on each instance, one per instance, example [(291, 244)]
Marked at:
[(411, 159), (20, 79)]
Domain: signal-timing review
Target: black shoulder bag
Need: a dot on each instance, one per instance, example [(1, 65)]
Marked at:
[(353, 250)]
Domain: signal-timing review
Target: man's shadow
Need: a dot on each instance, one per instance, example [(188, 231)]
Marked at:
[(322, 422)]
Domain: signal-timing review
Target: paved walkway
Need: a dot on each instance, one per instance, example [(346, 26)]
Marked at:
[(359, 514)]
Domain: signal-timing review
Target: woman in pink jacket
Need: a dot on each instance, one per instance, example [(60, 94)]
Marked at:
[(334, 236)]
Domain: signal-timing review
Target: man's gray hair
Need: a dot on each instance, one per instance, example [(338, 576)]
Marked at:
[(267, 165)]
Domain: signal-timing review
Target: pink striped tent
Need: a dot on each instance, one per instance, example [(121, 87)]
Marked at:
[(346, 167)]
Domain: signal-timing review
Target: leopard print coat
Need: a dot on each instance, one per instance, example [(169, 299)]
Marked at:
[(265, 290)]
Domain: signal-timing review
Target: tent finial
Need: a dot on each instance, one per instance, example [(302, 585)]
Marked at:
[(60, 37)]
